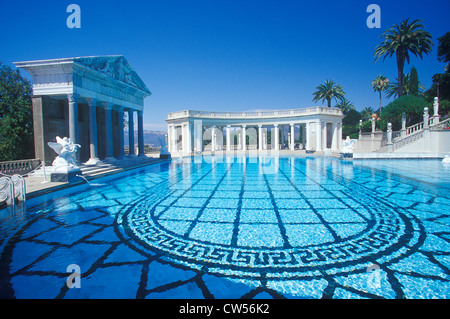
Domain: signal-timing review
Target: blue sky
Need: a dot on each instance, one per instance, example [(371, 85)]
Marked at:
[(225, 55)]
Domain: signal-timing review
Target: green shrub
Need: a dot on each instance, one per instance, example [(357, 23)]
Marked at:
[(413, 106)]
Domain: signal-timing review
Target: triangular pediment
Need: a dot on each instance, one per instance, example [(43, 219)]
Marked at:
[(115, 67)]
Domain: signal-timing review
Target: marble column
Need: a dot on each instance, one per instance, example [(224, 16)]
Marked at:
[(213, 138), (308, 138), (334, 138), (198, 136), (73, 117), (121, 133), (339, 136), (318, 136), (73, 121), (169, 138), (260, 137), (108, 132), (244, 138), (324, 135), (303, 130), (228, 130), (140, 134), (186, 139), (292, 141), (131, 133), (190, 134), (38, 127), (276, 137), (174, 139), (183, 138), (93, 140)]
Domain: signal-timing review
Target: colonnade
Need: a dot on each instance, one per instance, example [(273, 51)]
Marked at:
[(318, 135), (109, 140)]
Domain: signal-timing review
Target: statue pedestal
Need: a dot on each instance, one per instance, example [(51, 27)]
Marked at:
[(164, 155), (65, 175), (347, 149), (346, 156)]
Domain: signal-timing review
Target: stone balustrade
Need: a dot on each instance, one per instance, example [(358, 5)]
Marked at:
[(265, 114), (19, 167)]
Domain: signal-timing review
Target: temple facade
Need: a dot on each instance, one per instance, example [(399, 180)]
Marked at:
[(311, 129), (85, 99)]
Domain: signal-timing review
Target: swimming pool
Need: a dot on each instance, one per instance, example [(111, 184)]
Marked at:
[(239, 227)]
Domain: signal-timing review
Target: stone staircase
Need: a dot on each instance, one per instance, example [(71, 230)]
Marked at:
[(410, 134), (123, 164), (106, 166)]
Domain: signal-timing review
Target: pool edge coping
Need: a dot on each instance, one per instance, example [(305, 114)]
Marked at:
[(67, 185)]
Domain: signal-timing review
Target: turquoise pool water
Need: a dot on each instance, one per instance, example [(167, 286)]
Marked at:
[(274, 227)]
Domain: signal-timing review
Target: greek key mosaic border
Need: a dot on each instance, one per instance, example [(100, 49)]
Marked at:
[(390, 236)]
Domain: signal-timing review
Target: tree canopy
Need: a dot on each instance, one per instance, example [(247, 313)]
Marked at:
[(16, 116), (345, 105), (441, 81), (414, 82), (412, 105), (444, 49), (380, 84), (329, 91), (403, 40)]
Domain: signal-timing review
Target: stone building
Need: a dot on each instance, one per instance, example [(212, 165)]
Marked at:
[(85, 99), (313, 129)]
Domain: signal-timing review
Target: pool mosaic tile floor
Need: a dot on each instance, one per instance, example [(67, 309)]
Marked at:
[(239, 228)]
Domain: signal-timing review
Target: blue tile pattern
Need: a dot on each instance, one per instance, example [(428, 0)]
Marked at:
[(241, 228)]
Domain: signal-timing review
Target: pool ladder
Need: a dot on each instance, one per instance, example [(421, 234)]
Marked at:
[(12, 188)]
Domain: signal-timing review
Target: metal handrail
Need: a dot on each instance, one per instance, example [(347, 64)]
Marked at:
[(12, 188)]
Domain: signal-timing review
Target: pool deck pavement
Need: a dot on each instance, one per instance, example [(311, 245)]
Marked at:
[(37, 185), (376, 155)]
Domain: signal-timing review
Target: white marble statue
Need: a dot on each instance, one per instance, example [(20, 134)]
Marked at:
[(347, 147), (66, 150), (446, 159), (436, 106), (164, 153)]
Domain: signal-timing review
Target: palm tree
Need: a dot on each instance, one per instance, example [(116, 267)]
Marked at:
[(345, 105), (404, 39), (380, 84), (329, 91), (367, 113), (392, 89)]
